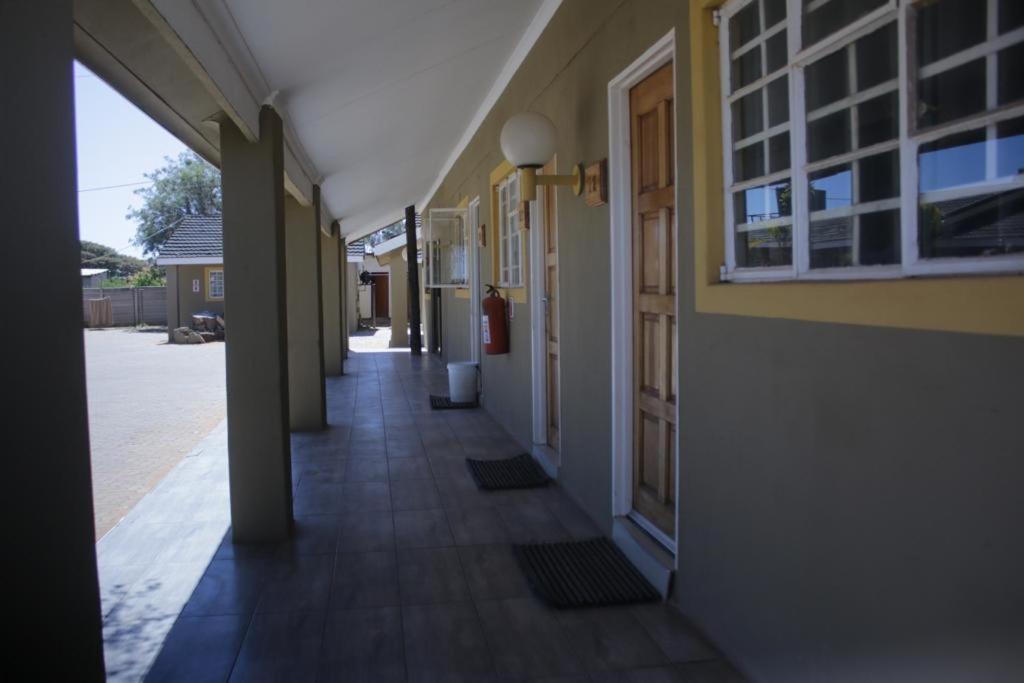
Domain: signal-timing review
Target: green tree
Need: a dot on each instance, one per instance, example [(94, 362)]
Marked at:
[(185, 186), (151, 276), (96, 255)]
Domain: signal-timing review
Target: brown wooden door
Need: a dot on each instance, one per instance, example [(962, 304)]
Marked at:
[(654, 300), (551, 311), (381, 296)]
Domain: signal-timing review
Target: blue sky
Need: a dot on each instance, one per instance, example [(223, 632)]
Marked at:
[(116, 145)]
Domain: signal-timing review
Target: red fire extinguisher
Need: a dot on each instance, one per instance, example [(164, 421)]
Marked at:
[(495, 323)]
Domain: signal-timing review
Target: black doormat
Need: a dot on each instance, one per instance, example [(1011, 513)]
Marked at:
[(588, 573), (520, 472), (445, 403)]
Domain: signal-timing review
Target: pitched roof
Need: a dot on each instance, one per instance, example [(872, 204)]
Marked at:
[(86, 272), (196, 237)]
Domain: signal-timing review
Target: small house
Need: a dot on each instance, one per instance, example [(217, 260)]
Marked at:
[(194, 260)]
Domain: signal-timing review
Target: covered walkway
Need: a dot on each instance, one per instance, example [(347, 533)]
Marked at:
[(399, 568)]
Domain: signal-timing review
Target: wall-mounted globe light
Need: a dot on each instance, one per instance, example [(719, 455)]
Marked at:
[(528, 142)]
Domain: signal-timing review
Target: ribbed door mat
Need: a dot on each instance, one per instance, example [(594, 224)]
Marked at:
[(520, 472), (588, 573), (445, 403)]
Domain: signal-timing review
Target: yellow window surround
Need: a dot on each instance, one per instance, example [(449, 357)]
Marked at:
[(517, 294), (973, 304), (206, 273)]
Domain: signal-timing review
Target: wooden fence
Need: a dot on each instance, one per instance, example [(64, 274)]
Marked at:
[(131, 305)]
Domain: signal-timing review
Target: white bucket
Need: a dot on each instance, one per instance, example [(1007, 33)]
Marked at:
[(462, 382)]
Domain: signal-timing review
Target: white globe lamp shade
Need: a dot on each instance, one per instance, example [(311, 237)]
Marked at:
[(528, 140)]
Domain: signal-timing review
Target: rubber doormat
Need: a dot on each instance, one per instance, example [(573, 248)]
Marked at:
[(520, 472), (445, 403), (588, 573)]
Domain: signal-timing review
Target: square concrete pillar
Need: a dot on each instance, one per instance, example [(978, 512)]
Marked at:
[(399, 302), (259, 438), (52, 601), (330, 254), (306, 390)]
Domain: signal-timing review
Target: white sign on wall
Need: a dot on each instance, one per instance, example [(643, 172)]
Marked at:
[(195, 286)]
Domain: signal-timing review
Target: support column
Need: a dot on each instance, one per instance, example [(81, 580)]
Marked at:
[(259, 440), (330, 257), (399, 305), (306, 388), (415, 341), (173, 296), (52, 598), (343, 281)]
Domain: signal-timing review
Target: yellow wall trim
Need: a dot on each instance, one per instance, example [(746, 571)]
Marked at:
[(979, 305), (206, 285)]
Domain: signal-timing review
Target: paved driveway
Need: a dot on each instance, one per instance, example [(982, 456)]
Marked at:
[(150, 402)]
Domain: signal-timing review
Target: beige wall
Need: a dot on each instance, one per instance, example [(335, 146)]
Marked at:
[(849, 495), (182, 302)]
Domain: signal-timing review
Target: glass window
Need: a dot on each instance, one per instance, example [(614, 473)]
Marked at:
[(510, 242), (954, 121), (216, 288)]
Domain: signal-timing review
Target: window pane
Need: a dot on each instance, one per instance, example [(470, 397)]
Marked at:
[(765, 248), (946, 27), (879, 176), (774, 12), (778, 101), (763, 203), (747, 116), (746, 68), (879, 238), (954, 160), (1011, 73), (826, 80), (748, 162), (878, 120), (778, 153), (828, 17), (828, 136), (1011, 15), (777, 52), (831, 243), (952, 94), (983, 225), (1010, 148), (831, 188), (744, 26), (876, 57)]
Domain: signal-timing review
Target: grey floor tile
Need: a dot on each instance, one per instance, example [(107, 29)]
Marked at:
[(229, 587), (610, 639), (297, 584), (316, 496), (414, 494), (431, 575), (530, 523), (366, 470), (674, 635), (313, 535), (444, 641), (365, 580), (527, 639), (492, 572), (692, 672), (477, 526), (199, 649), (405, 448), (422, 529), (280, 647), (401, 469), (363, 645), (448, 466), (576, 522), (365, 497), (116, 581), (362, 531)]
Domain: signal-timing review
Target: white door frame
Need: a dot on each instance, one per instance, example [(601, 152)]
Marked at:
[(620, 189), (550, 457), (473, 266)]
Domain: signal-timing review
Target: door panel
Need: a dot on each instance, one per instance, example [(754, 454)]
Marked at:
[(655, 336)]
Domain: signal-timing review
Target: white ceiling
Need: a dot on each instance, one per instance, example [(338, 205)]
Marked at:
[(381, 93)]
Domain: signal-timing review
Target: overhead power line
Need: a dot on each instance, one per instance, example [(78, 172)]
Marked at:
[(113, 187)]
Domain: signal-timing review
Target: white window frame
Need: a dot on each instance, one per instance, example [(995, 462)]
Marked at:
[(508, 214), (434, 248), (909, 141), (211, 291)]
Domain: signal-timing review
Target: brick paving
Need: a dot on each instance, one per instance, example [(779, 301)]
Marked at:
[(150, 403)]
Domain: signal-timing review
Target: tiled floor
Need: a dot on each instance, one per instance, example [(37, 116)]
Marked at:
[(400, 568)]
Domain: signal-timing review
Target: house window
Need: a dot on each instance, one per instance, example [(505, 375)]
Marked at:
[(215, 283), (510, 241), (873, 138)]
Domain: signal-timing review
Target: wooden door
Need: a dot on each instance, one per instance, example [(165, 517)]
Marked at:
[(551, 313), (381, 296), (654, 300)]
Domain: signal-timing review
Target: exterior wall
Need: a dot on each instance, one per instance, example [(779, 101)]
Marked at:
[(849, 494), (182, 302)]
